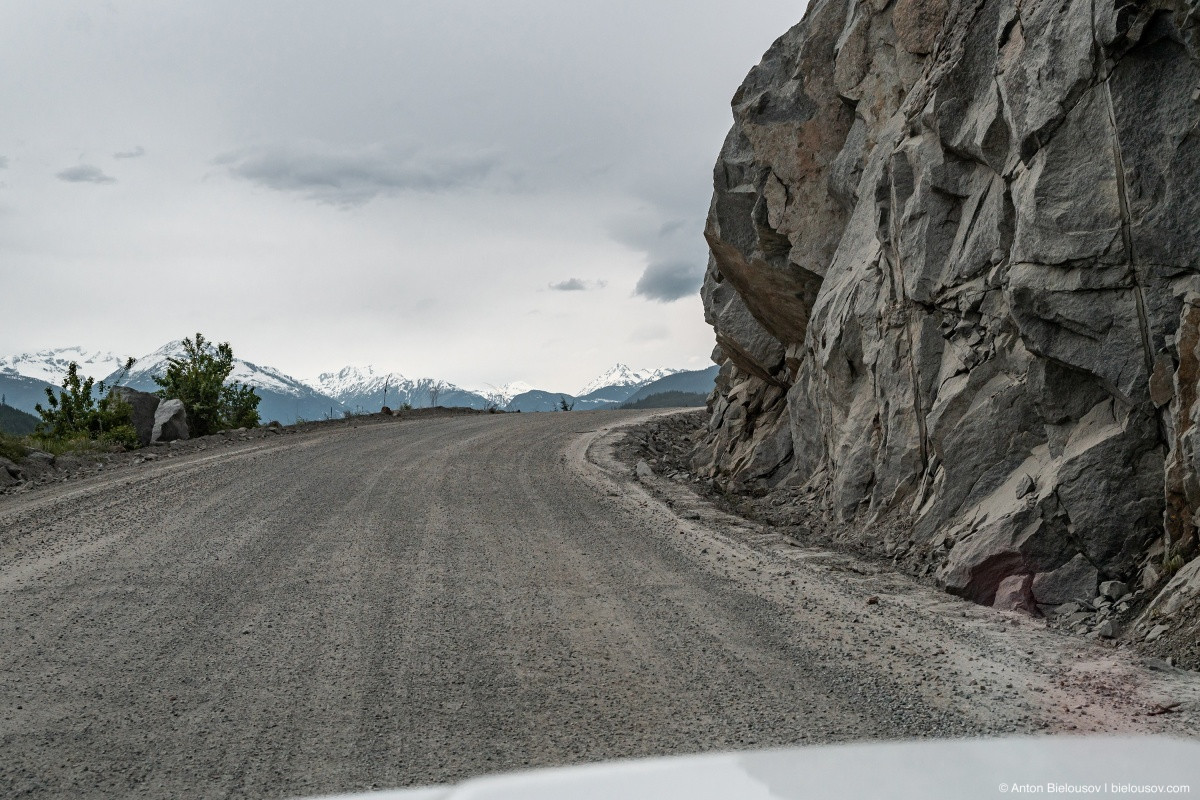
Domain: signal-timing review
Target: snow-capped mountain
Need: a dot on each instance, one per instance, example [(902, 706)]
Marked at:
[(622, 375), (363, 389), (353, 380), (284, 398), (24, 377), (51, 365), (503, 395), (260, 377)]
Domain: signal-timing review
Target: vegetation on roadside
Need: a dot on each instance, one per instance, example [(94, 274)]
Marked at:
[(84, 411), (563, 405), (198, 379)]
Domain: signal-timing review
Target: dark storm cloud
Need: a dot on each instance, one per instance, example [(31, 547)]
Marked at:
[(136, 152), (577, 285), (354, 176), (85, 173), (674, 251), (667, 281)]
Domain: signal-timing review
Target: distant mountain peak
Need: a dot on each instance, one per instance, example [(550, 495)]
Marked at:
[(364, 387), (621, 375), (51, 365), (503, 394), (354, 379)]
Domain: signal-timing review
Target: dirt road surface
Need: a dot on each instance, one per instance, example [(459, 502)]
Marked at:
[(421, 601)]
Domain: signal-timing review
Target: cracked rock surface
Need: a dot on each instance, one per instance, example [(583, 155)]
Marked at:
[(955, 278)]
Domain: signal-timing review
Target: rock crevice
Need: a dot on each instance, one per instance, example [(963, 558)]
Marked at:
[(954, 273)]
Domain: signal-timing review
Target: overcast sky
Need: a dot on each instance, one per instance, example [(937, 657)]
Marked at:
[(481, 191)]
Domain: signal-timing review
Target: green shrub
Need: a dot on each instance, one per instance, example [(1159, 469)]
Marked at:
[(240, 406), (198, 379), (75, 413)]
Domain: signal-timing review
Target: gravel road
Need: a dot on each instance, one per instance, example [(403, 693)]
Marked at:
[(420, 601)]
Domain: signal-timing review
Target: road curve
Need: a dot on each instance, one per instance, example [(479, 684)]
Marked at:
[(417, 602)]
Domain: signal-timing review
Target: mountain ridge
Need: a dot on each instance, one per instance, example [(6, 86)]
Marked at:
[(352, 388)]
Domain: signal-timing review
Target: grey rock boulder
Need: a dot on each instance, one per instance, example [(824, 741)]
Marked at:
[(1113, 590), (1013, 594), (1073, 581), (170, 422), (1156, 633), (1181, 592), (10, 473), (143, 405)]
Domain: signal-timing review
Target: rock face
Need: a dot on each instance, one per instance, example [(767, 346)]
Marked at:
[(144, 406), (170, 422), (955, 276)]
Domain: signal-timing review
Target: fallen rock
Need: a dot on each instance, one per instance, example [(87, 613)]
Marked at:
[(170, 422), (1075, 580), (39, 457), (1181, 591), (10, 473), (1156, 633), (143, 405), (1107, 629), (1063, 610), (1014, 594), (1114, 590), (643, 470)]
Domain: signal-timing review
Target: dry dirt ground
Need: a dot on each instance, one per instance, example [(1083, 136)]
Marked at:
[(421, 600)]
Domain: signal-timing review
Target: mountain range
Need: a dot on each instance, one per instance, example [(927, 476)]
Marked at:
[(351, 389)]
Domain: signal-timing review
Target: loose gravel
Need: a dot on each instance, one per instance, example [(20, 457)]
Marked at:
[(419, 601)]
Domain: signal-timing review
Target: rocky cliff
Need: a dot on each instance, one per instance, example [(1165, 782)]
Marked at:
[(955, 281)]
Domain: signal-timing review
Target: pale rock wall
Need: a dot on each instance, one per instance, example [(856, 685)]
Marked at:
[(955, 272)]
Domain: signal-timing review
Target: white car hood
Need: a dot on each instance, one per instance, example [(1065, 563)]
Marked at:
[(920, 770)]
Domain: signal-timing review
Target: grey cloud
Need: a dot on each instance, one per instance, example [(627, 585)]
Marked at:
[(136, 152), (675, 253), (354, 176), (3, 162), (667, 281), (85, 173), (577, 285)]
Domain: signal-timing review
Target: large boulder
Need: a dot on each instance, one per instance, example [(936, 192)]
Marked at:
[(953, 261), (144, 405), (1075, 580), (10, 473), (170, 422)]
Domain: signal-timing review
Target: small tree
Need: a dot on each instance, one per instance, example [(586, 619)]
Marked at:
[(563, 405), (435, 391), (75, 412), (495, 400), (240, 406), (198, 379)]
